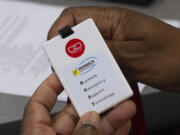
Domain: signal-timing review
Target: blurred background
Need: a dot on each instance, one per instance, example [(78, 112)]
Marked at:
[(23, 66)]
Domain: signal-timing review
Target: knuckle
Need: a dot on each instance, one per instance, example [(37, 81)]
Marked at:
[(132, 106), (127, 21), (29, 108), (118, 24), (71, 113), (129, 109), (106, 127), (126, 52), (67, 10)]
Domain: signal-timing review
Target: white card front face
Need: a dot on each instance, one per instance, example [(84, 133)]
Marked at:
[(87, 69)]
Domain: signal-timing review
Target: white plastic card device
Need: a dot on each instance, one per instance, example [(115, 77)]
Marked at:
[(87, 70)]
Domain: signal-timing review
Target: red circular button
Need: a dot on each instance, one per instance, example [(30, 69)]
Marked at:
[(75, 48)]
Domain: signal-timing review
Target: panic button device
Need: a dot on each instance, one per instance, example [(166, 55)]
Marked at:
[(87, 69)]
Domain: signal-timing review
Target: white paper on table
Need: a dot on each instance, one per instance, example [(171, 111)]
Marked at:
[(23, 30)]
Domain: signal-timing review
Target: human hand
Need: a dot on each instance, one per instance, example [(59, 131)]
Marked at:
[(147, 49), (36, 119)]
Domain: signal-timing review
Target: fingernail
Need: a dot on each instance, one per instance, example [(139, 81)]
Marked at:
[(90, 119), (89, 126), (87, 129)]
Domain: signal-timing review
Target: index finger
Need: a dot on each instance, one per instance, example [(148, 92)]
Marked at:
[(117, 117), (106, 19), (43, 100)]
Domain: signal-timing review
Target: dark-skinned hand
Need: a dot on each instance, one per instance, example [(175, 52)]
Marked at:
[(147, 49), (37, 121)]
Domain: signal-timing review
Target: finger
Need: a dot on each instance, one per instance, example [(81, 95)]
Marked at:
[(126, 51), (133, 58), (87, 130), (105, 18), (124, 130), (65, 122), (66, 18), (42, 101), (88, 124), (117, 117), (124, 57)]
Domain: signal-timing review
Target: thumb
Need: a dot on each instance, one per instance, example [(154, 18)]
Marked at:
[(88, 124)]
